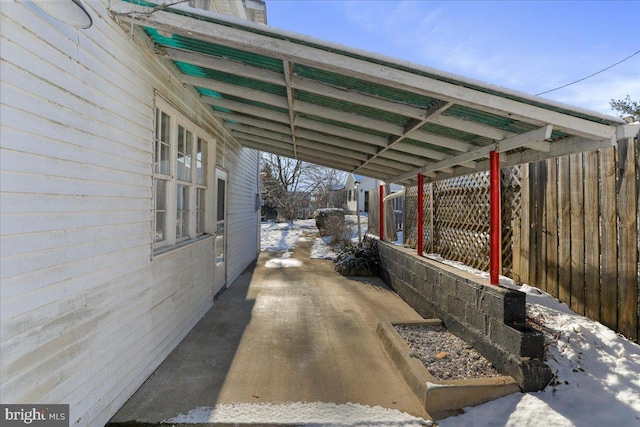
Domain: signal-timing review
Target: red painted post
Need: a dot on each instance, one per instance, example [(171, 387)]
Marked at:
[(382, 212), (495, 230), (420, 213)]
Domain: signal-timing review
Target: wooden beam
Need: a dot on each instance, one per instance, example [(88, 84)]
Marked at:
[(267, 142), (349, 95), (274, 149), (251, 121), (441, 141), (339, 131), (276, 136), (226, 66), (342, 116), (239, 91), (482, 152), (409, 129), (286, 66), (336, 142), (344, 152), (257, 112)]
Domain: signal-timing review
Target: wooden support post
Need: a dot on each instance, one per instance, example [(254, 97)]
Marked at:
[(420, 214), (495, 264), (381, 207)]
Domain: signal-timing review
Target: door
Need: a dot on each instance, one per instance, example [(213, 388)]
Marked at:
[(221, 230)]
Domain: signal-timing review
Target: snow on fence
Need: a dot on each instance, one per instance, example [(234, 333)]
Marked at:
[(570, 227)]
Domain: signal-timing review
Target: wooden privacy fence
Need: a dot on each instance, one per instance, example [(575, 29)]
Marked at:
[(583, 240), (570, 227)]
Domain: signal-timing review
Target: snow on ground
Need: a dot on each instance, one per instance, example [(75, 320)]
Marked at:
[(597, 371), (308, 414)]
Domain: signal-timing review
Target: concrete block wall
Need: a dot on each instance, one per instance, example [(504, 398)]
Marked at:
[(491, 318)]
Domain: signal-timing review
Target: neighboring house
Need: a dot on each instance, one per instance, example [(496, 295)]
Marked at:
[(364, 187), (125, 208)]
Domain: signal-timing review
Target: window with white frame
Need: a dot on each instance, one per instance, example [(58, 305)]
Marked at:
[(180, 190)]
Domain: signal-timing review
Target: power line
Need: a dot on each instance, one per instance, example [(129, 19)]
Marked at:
[(589, 76)]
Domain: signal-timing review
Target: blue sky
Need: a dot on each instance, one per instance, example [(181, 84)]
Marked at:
[(530, 46)]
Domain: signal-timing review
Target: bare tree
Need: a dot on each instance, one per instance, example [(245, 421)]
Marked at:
[(290, 184), (626, 108)]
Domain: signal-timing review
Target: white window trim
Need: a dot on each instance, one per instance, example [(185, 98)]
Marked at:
[(177, 118)]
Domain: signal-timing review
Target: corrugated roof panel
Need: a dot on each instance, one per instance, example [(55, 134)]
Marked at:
[(455, 134), (181, 42), (362, 86), (214, 94), (500, 122), (437, 148), (195, 70), (343, 125), (389, 62), (349, 107), (496, 121)]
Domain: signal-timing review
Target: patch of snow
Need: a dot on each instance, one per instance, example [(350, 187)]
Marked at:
[(307, 414), (283, 263), (597, 375), (323, 249)]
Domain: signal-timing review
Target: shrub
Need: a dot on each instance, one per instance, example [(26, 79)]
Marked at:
[(358, 259), (330, 222)]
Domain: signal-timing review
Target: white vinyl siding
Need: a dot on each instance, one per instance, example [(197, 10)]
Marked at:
[(242, 246), (86, 311)]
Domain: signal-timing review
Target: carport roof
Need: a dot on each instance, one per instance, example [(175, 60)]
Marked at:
[(336, 106)]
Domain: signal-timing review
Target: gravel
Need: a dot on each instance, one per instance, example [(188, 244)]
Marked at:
[(446, 356)]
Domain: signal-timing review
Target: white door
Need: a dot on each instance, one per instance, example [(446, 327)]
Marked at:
[(221, 230)]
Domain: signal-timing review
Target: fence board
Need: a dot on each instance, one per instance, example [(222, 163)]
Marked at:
[(577, 232), (541, 224), (551, 228), (533, 229), (628, 240), (525, 226), (592, 233), (564, 230), (608, 239)]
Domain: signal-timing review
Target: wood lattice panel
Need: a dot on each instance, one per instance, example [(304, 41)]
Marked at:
[(456, 218)]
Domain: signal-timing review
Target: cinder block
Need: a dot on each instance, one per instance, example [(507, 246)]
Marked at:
[(456, 307), (467, 291), (476, 319), (518, 340), (515, 307), (492, 304)]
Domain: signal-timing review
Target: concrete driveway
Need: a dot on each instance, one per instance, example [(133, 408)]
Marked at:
[(283, 335)]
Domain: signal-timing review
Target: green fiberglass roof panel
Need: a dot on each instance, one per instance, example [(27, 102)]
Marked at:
[(194, 70), (212, 49), (348, 107), (438, 148), (455, 134), (362, 97), (214, 94), (343, 125), (493, 120), (362, 86)]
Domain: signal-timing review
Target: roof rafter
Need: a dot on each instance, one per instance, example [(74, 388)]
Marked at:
[(517, 141)]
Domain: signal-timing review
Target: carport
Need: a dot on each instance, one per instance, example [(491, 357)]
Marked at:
[(364, 113)]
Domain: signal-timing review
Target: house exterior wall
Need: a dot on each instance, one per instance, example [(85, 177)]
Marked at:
[(87, 311), (364, 184)]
